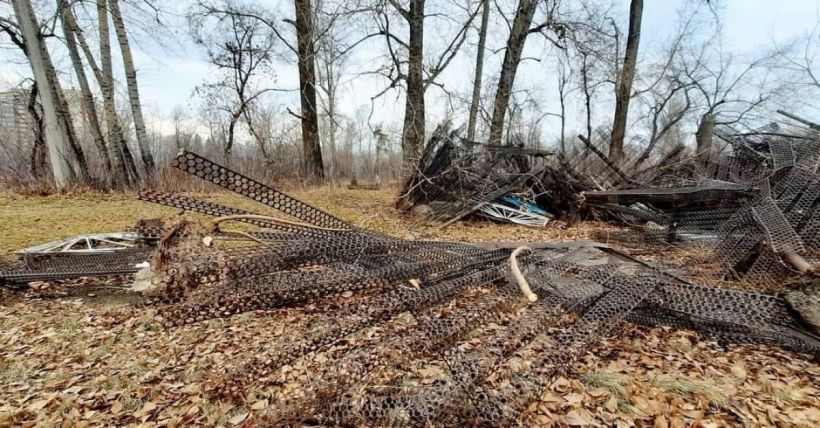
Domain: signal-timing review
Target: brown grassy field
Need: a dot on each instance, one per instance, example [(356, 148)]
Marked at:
[(93, 360)]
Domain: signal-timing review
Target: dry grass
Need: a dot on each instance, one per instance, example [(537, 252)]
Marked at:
[(612, 382), (25, 221), (707, 389)]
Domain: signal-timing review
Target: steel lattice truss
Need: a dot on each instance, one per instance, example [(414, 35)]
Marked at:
[(760, 222), (468, 316)]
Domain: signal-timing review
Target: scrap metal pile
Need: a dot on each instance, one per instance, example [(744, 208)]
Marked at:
[(456, 177), (495, 323), (753, 205), (85, 255), (759, 212)]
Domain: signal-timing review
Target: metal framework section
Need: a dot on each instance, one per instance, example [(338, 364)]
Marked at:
[(512, 215), (59, 266), (97, 243)]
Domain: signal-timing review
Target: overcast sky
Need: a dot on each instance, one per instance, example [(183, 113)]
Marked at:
[(168, 74)]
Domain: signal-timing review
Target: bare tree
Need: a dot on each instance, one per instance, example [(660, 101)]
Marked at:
[(410, 69), (664, 96), (37, 158), (798, 63), (70, 28), (801, 58), (121, 157), (479, 69), (67, 159), (332, 52), (133, 87), (512, 57), (414, 120), (182, 137), (668, 108), (725, 91), (305, 41), (626, 75), (519, 31), (240, 48), (589, 47), (304, 49)]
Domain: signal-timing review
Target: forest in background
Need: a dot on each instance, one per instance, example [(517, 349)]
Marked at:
[(535, 73)]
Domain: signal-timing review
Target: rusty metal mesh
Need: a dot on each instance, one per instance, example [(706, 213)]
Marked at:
[(751, 224), (467, 319)]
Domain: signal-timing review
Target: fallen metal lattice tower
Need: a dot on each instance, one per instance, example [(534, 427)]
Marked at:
[(467, 315)]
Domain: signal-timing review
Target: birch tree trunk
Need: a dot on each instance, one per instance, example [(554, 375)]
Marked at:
[(413, 129), (133, 87), (64, 161), (314, 167), (122, 160), (512, 57), (69, 25), (479, 69), (624, 83)]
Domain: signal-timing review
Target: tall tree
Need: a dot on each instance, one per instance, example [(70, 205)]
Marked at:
[(479, 69), (412, 71), (39, 150), (182, 137), (512, 57), (305, 52), (67, 165), (724, 91), (69, 26), (412, 135), (305, 41), (329, 72), (133, 87), (121, 158), (240, 48), (626, 76), (332, 53)]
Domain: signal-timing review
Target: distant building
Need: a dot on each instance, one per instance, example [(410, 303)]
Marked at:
[(17, 125), (15, 121)]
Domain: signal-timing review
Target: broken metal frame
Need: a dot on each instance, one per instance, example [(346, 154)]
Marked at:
[(96, 243), (513, 215)]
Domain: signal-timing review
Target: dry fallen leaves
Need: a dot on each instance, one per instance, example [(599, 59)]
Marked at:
[(238, 418)]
